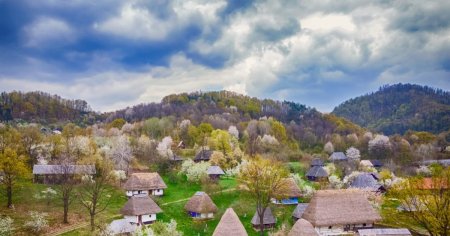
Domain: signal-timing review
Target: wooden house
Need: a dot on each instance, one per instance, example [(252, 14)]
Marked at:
[(298, 211), (140, 210), (203, 155), (214, 172), (367, 181), (50, 174), (268, 220), (200, 206), (338, 156), (384, 232), (317, 173), (290, 195), (317, 162), (333, 212), (230, 224), (145, 184), (303, 228)]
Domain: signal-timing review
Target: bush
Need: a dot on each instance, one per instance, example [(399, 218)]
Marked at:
[(37, 222), (6, 226)]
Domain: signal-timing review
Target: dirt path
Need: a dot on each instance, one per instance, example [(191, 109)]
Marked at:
[(85, 224)]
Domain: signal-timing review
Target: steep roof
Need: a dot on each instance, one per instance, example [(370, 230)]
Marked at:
[(140, 205), (317, 171), (303, 228), (376, 163), (144, 181), (317, 162), (299, 210), (230, 224), (215, 170), (174, 157), (365, 181), (338, 156), (340, 207), (63, 169), (384, 232), (267, 219), (366, 163), (292, 189), (203, 155), (200, 203)]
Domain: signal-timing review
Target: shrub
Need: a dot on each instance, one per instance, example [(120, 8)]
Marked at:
[(37, 222), (6, 226)]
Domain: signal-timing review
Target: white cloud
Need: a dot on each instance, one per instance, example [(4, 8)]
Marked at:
[(48, 32)]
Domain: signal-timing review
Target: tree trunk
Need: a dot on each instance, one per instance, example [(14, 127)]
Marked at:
[(66, 211), (261, 222), (92, 222), (9, 195)]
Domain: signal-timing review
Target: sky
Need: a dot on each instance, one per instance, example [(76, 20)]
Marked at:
[(119, 53)]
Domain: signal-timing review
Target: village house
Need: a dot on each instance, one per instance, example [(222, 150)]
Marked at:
[(214, 172), (303, 228), (377, 163), (367, 181), (317, 162), (144, 184), (200, 206), (230, 224), (384, 232), (291, 194), (298, 211), (140, 210), (203, 155), (333, 212), (317, 173), (50, 174), (338, 156), (365, 164), (268, 220)]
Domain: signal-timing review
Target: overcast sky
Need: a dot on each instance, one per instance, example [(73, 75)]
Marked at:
[(116, 53)]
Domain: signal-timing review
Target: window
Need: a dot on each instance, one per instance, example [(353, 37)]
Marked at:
[(329, 227), (364, 225)]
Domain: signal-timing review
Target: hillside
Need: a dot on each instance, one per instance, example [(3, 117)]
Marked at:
[(224, 108), (398, 108), (43, 108)]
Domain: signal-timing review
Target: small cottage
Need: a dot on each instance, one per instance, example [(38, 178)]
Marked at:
[(303, 228), (214, 172), (230, 224), (50, 174), (367, 181), (384, 232), (291, 194), (338, 156), (268, 220), (200, 206), (298, 211), (175, 159), (140, 210), (144, 184), (377, 163), (334, 212), (317, 173), (203, 155)]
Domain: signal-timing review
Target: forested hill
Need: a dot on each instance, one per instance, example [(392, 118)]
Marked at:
[(398, 108), (43, 108), (223, 108)]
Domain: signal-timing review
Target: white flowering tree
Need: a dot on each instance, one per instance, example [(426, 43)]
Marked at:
[(380, 147), (6, 226), (233, 131), (120, 152), (353, 154), (165, 147), (328, 148), (194, 171), (335, 182)]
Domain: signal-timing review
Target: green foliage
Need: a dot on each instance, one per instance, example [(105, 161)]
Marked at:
[(399, 108), (117, 123)]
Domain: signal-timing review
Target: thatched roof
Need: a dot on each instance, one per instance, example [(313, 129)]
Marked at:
[(317, 162), (175, 158), (376, 163), (230, 224), (292, 190), (63, 169), (299, 210), (144, 181), (317, 172), (215, 170), (267, 219), (365, 181), (444, 162), (200, 203), (366, 163), (384, 232), (303, 228), (340, 207), (203, 155), (338, 156), (140, 205)]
